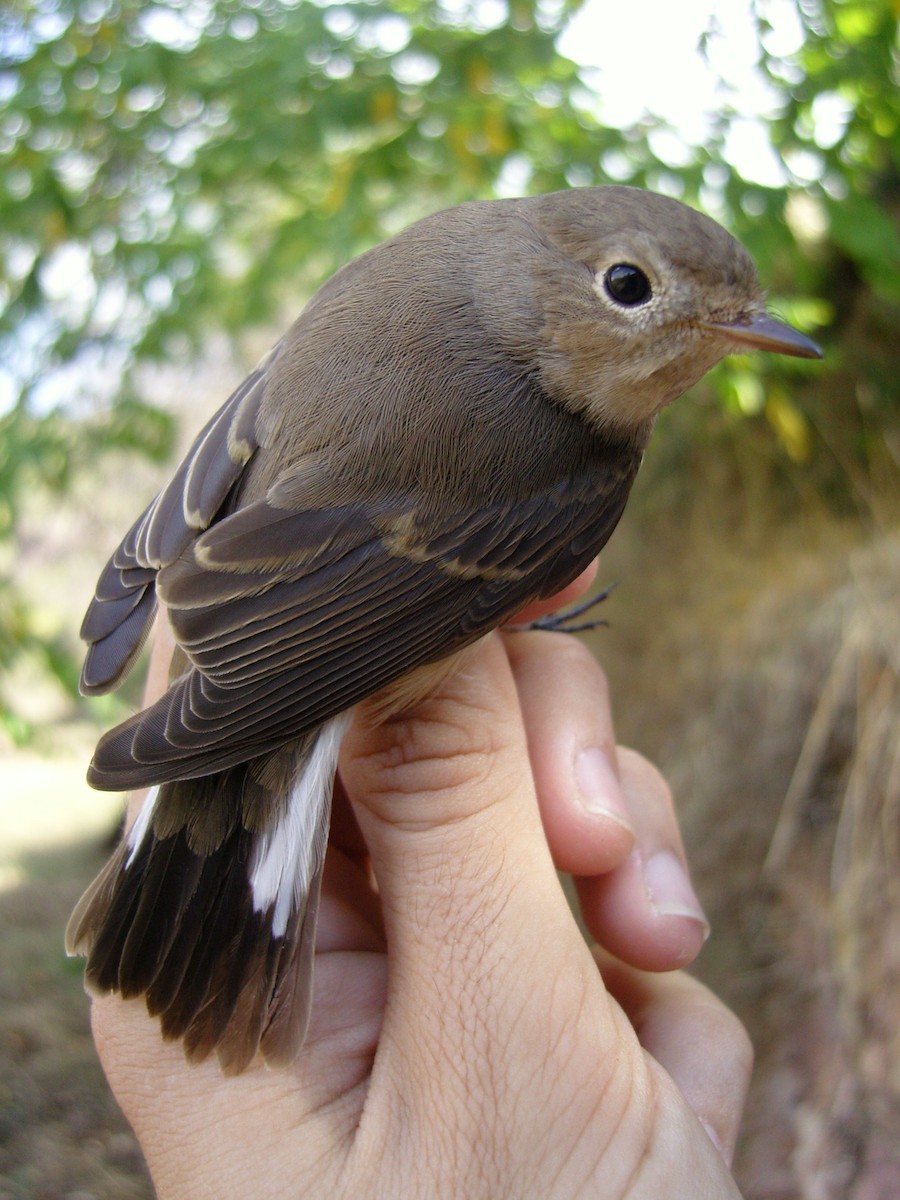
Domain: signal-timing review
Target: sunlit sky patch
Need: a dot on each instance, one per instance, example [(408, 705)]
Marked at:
[(644, 56)]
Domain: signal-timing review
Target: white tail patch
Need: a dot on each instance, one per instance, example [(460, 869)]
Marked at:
[(138, 830), (286, 858)]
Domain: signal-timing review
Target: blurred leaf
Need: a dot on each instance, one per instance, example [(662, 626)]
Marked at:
[(136, 425), (789, 424)]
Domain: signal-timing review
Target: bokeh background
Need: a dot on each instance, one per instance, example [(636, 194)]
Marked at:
[(177, 177)]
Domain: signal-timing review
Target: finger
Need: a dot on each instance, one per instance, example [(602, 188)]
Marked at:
[(474, 915), (565, 707), (575, 590), (689, 1031), (646, 911)]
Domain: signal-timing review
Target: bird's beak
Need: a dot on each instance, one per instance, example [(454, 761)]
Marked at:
[(759, 331)]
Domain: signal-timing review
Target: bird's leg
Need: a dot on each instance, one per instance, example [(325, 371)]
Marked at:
[(562, 622)]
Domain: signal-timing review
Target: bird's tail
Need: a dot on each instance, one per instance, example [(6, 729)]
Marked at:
[(208, 908)]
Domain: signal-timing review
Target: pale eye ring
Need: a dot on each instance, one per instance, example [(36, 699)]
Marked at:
[(627, 285)]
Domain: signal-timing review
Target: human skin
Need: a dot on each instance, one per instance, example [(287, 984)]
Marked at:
[(464, 1040)]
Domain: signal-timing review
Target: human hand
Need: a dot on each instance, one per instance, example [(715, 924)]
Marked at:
[(489, 1052)]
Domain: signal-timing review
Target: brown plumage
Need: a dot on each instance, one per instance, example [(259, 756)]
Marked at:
[(448, 432)]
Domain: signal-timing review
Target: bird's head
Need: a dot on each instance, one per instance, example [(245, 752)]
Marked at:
[(635, 297)]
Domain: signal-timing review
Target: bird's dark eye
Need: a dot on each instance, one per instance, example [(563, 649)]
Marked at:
[(627, 284)]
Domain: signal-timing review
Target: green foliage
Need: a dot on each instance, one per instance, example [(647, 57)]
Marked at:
[(835, 236), (204, 157), (191, 165)]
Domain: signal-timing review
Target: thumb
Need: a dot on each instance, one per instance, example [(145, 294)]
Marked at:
[(476, 921)]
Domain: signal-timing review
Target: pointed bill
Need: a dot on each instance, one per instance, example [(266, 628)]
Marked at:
[(759, 331)]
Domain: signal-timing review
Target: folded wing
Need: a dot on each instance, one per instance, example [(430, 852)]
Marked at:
[(289, 615)]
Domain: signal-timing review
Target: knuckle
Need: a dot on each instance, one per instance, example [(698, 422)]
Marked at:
[(447, 744), (573, 656), (741, 1047), (642, 777), (428, 757), (724, 1029)]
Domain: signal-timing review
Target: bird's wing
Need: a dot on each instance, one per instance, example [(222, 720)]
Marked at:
[(291, 614), (119, 616)]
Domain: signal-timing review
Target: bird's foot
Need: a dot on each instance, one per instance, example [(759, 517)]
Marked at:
[(567, 621)]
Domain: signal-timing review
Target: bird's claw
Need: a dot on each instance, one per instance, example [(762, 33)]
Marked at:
[(562, 622)]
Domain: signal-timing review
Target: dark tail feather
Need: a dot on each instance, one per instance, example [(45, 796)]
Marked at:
[(252, 997), (180, 928), (288, 1015), (165, 882)]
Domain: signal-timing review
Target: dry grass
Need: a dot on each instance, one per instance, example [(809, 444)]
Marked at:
[(774, 690)]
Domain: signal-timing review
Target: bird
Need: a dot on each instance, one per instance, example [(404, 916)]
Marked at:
[(448, 432)]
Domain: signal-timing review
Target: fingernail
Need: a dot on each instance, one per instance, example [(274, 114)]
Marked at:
[(669, 888), (599, 786)]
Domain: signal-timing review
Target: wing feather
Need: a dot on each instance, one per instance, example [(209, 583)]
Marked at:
[(119, 617), (291, 616)]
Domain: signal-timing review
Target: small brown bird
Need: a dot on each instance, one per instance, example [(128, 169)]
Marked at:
[(448, 432)]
